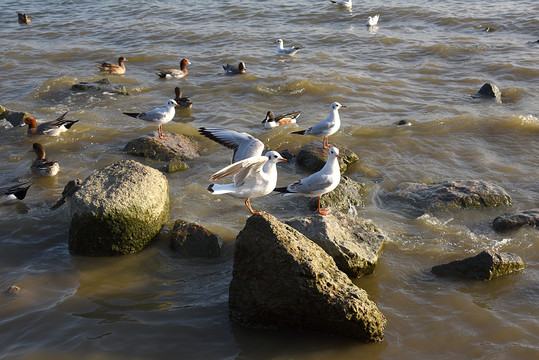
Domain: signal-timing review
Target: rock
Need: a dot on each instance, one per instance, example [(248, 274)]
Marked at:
[(516, 219), (403, 122), (347, 196), (484, 266), (175, 166), (450, 195), (69, 190), (174, 148), (13, 290), (313, 157), (191, 239), (282, 280), (353, 243), (118, 210), (102, 86), (490, 91), (16, 118)]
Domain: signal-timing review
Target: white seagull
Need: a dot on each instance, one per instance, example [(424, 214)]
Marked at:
[(243, 144), (343, 3), (372, 20), (288, 51), (14, 193), (326, 127), (159, 115), (319, 183), (253, 177)]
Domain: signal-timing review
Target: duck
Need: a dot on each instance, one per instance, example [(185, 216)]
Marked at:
[(175, 73), (113, 68), (271, 121), (24, 18), (288, 51), (183, 102), (372, 20), (158, 115), (12, 194), (326, 127), (50, 128), (231, 69), (42, 165)]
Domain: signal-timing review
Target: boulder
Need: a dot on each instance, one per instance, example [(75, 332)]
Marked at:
[(175, 166), (347, 195), (484, 266), (489, 90), (282, 280), (193, 240), (118, 210), (450, 195), (175, 147), (313, 156), (102, 86), (516, 219), (353, 243), (16, 118)]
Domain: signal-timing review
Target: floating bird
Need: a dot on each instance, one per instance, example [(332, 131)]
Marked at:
[(372, 20), (24, 18), (231, 69), (271, 121), (175, 73), (14, 193), (159, 115), (42, 165), (282, 51), (183, 102), (319, 183), (243, 144), (253, 177), (326, 127), (113, 68), (51, 128), (343, 3)]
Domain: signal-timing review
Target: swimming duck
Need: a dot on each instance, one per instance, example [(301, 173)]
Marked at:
[(272, 121), (158, 115), (282, 51), (372, 20), (113, 68), (51, 128), (175, 73), (231, 69), (42, 165), (24, 18), (14, 193), (183, 102)]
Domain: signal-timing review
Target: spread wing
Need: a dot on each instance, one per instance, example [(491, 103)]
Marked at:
[(242, 169), (243, 144)]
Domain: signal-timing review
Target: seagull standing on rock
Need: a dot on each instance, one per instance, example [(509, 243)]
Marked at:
[(159, 115), (326, 127)]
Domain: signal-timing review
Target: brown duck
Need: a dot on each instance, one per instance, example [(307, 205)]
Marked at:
[(113, 68)]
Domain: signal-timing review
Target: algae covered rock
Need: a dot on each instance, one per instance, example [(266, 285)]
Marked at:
[(516, 219), (175, 147), (103, 85), (191, 239), (347, 195), (118, 210), (16, 118), (313, 156), (282, 280)]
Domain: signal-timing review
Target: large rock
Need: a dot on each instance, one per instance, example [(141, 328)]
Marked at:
[(353, 243), (347, 195), (489, 90), (484, 266), (516, 219), (191, 239), (450, 195), (281, 279), (118, 210), (313, 156), (16, 118), (102, 86), (175, 147)]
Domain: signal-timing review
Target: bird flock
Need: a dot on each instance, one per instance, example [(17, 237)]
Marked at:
[(253, 174)]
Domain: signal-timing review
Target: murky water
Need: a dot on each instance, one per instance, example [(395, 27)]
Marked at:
[(422, 64)]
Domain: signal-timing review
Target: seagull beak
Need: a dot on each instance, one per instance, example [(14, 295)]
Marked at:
[(343, 106), (339, 156), (283, 160)]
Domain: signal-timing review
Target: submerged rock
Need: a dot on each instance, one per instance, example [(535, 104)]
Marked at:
[(313, 156), (347, 195), (484, 266), (175, 147), (490, 91), (102, 85), (118, 210), (516, 219), (16, 118), (353, 243), (191, 239), (281, 279)]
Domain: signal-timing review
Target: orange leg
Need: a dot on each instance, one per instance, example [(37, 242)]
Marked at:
[(160, 131), (321, 211), (325, 143), (248, 203)]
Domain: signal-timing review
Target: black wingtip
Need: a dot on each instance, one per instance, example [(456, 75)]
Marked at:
[(281, 189), (210, 188), (301, 132)]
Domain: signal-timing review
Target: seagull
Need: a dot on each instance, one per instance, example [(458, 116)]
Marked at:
[(271, 121), (183, 102), (231, 69), (14, 193), (319, 183), (282, 51), (253, 177), (372, 20), (326, 127), (159, 115), (343, 3), (243, 144), (41, 164), (113, 68), (23, 18), (51, 128), (175, 73)]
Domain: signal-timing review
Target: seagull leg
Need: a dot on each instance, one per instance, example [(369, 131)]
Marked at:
[(248, 203), (160, 131), (321, 211), (325, 143)]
